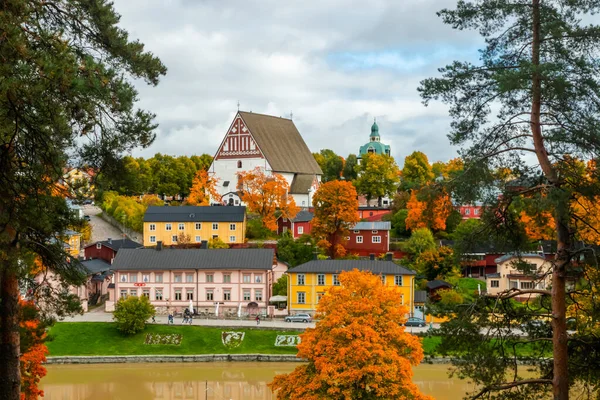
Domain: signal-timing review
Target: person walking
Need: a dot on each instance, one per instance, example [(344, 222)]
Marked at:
[(170, 320), (258, 320)]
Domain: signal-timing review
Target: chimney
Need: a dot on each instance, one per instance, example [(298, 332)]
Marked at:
[(204, 244), (372, 256), (159, 245), (389, 256), (315, 256), (109, 240)]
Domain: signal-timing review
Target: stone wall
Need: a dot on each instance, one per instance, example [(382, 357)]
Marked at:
[(131, 234), (172, 359)]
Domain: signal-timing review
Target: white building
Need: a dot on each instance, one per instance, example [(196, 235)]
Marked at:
[(271, 143)]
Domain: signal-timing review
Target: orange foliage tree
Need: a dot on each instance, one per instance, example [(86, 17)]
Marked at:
[(267, 195), (33, 351), (203, 188), (336, 211), (358, 349), (428, 208)]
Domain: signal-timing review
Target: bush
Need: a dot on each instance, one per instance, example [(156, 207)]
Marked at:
[(131, 314), (256, 230)]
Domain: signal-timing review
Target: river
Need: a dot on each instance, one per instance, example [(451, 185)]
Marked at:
[(201, 381)]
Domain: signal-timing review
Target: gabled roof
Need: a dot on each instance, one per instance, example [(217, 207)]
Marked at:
[(335, 266), (375, 226), (116, 245), (301, 183), (195, 214), (437, 283), (95, 265), (281, 143), (206, 259), (303, 216), (420, 296)]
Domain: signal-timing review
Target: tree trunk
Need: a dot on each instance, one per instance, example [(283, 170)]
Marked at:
[(560, 382), (10, 376)]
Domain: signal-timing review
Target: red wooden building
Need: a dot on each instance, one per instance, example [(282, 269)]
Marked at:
[(369, 238), (372, 213), (300, 225), (107, 249), (470, 211)]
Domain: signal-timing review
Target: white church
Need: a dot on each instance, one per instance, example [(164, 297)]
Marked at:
[(271, 143)]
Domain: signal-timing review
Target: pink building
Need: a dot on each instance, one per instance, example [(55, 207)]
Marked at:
[(221, 281)]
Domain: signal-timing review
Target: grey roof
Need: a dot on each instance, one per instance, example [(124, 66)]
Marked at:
[(420, 296), (301, 183), (494, 275), (118, 244), (303, 216), (195, 214), (438, 283), (70, 232), (95, 265), (215, 259), (509, 256), (281, 143), (333, 266), (375, 226)]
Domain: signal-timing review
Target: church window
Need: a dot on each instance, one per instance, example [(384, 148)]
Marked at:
[(371, 150), (239, 164)]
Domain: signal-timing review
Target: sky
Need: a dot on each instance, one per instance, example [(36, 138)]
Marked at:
[(334, 65)]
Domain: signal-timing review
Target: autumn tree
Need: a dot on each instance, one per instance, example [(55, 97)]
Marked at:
[(336, 211), (434, 263), (216, 243), (428, 207), (358, 349), (32, 334), (67, 91), (378, 176), (204, 188), (530, 103), (267, 195)]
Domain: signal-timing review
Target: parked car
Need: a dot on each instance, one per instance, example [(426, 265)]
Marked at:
[(298, 318), (87, 217), (413, 321), (88, 202)]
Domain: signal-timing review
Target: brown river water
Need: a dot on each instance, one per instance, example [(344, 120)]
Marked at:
[(202, 381)]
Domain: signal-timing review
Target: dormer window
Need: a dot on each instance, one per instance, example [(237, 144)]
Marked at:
[(239, 164)]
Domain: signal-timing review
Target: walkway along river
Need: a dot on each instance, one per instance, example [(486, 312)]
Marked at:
[(202, 381)]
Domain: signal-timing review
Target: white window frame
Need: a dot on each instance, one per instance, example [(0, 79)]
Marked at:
[(152, 239), (210, 294), (226, 278), (98, 246), (300, 279), (375, 239), (152, 227), (321, 280), (158, 277), (356, 231), (301, 297), (180, 293), (246, 294), (494, 283), (232, 239), (215, 226), (226, 294), (232, 227), (158, 294), (210, 278), (198, 239), (359, 239), (174, 238), (300, 230), (181, 226), (133, 277), (336, 280), (374, 232), (247, 278), (177, 278), (189, 294), (198, 226), (146, 278), (467, 211), (187, 278), (398, 280), (258, 295), (168, 227), (258, 278)]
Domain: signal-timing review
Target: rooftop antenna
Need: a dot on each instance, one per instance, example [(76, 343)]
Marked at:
[(238, 105), (291, 115)]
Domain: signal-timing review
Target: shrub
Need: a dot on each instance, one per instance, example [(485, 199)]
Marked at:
[(131, 314)]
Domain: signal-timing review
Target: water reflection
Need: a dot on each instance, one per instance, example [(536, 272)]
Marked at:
[(201, 381)]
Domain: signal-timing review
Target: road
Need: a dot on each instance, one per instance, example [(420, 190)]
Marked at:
[(101, 230)]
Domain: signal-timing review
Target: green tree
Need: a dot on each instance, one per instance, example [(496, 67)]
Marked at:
[(399, 223), (378, 176), (295, 252), (436, 263), (331, 164), (131, 314), (349, 172), (280, 286), (420, 240), (453, 221), (416, 172), (203, 161), (540, 75), (66, 88)]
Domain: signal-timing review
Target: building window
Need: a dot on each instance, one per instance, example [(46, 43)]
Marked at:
[(376, 239), (181, 227), (123, 293), (210, 278), (174, 238), (398, 280), (158, 294), (374, 232), (383, 279), (177, 278), (495, 283), (301, 298), (133, 277), (146, 293), (210, 295), (258, 278), (336, 281), (168, 227), (527, 285), (145, 278), (226, 278), (189, 278), (247, 278), (239, 164), (258, 295), (177, 294), (158, 278), (152, 239), (300, 279), (152, 227), (226, 295), (133, 292), (98, 246), (215, 227), (232, 239), (124, 278), (467, 211), (189, 294), (232, 227), (198, 226), (198, 239), (320, 296), (359, 239), (300, 230), (513, 284), (246, 294), (321, 279), (476, 211), (356, 231)]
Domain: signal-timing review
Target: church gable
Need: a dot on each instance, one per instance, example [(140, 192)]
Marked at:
[(238, 142)]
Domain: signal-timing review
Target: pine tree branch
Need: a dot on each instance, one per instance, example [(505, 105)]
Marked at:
[(504, 386)]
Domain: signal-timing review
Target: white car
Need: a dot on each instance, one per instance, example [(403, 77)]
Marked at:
[(298, 318)]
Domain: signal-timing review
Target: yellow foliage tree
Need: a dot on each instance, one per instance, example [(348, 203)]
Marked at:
[(359, 348), (203, 189), (267, 195)]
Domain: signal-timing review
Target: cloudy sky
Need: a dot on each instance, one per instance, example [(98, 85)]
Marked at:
[(335, 64)]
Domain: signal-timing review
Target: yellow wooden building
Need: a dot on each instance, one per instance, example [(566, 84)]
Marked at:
[(194, 223), (308, 282), (73, 242)]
